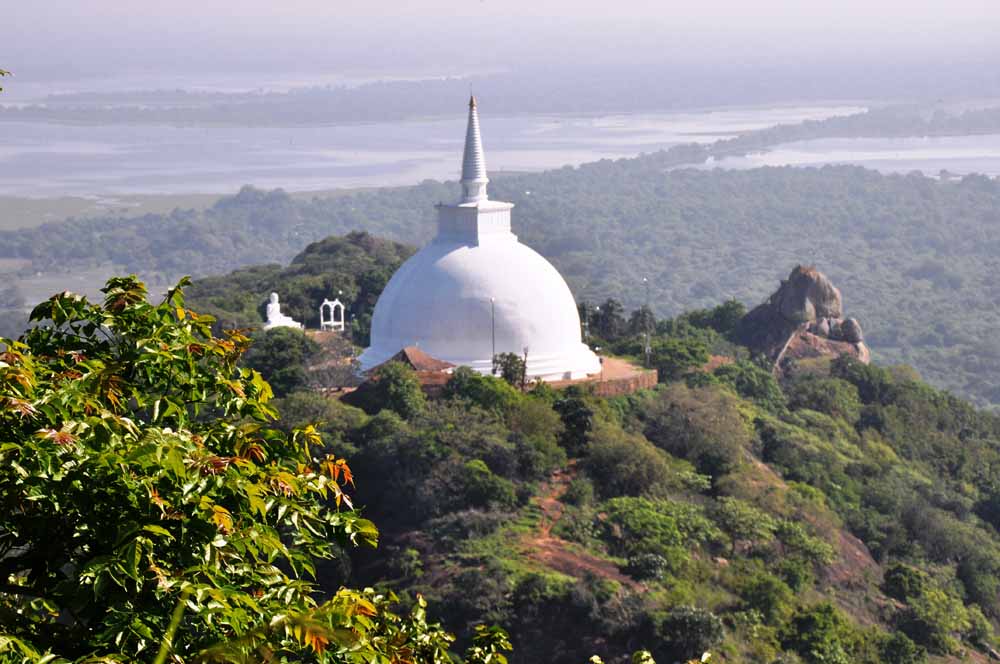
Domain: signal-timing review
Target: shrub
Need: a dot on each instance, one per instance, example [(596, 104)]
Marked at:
[(482, 488), (903, 582), (833, 396), (642, 525), (672, 358), (795, 572), (744, 522), (623, 463), (688, 632), (466, 524), (770, 596), (934, 619), (539, 428), (647, 566), (703, 425), (723, 319), (897, 648), (874, 383), (820, 635), (803, 545), (980, 631), (487, 392), (580, 492), (754, 382)]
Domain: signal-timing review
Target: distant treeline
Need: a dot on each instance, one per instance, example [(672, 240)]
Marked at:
[(892, 121), (582, 90)]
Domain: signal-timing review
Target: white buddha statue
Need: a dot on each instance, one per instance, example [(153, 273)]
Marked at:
[(277, 319)]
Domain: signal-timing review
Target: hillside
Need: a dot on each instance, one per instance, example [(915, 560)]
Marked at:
[(847, 515)]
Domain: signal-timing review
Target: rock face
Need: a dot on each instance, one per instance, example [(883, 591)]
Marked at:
[(808, 296), (803, 319)]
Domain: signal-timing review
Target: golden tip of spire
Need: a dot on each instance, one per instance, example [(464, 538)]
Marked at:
[(472, 101)]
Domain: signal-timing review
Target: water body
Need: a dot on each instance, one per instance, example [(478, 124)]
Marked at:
[(958, 155), (44, 160)]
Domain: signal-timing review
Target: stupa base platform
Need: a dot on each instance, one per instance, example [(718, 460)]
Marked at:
[(617, 377)]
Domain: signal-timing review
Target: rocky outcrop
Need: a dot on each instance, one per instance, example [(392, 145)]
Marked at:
[(803, 319)]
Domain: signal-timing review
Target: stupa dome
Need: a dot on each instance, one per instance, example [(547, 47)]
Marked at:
[(475, 291)]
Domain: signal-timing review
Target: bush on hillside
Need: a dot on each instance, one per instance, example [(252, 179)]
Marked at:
[(833, 396), (687, 633), (703, 425), (626, 464)]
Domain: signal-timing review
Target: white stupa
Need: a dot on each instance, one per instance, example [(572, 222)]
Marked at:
[(475, 291)]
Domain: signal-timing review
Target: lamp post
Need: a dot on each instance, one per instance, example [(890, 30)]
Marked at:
[(493, 328), (645, 324), (524, 370)]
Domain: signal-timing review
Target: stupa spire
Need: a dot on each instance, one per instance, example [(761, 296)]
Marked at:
[(474, 178)]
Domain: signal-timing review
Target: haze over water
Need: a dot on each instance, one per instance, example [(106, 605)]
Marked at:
[(40, 159)]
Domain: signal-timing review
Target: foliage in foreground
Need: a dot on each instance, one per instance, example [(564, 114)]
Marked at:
[(149, 507)]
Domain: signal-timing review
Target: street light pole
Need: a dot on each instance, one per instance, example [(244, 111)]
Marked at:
[(645, 323), (493, 328)]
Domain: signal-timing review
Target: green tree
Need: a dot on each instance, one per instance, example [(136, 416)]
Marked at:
[(281, 355), (770, 596), (395, 386), (744, 522), (642, 321), (820, 634), (578, 418), (935, 619), (688, 632), (903, 582), (723, 318), (672, 358), (899, 649), (154, 507), (487, 392), (609, 320), (482, 488), (512, 368)]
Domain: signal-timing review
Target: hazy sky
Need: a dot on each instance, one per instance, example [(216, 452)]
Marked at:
[(79, 37)]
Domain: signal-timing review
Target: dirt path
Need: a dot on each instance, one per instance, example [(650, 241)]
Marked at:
[(558, 554)]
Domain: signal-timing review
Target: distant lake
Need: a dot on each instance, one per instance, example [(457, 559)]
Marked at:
[(959, 155), (44, 160)]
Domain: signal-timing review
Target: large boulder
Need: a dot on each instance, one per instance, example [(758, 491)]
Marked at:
[(806, 296), (802, 319), (850, 329)]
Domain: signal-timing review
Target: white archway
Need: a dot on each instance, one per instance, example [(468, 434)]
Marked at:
[(331, 315)]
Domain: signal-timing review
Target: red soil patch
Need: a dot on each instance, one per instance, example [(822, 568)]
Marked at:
[(716, 361), (558, 554)]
